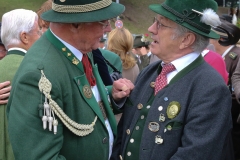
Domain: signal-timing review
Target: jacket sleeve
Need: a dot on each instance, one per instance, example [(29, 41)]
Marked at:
[(236, 81), (28, 138)]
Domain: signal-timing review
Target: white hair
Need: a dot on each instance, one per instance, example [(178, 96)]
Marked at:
[(15, 22), (200, 43)]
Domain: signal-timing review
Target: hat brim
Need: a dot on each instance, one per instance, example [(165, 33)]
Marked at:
[(112, 11), (157, 8)]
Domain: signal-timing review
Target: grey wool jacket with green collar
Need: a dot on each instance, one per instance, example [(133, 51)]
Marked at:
[(200, 129)]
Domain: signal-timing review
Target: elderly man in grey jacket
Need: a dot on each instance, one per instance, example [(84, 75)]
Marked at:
[(180, 108)]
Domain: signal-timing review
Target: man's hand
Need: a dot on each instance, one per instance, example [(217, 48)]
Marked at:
[(143, 51), (5, 89), (121, 88)]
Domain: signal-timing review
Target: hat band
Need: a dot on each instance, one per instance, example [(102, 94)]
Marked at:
[(81, 8), (220, 33), (186, 17)]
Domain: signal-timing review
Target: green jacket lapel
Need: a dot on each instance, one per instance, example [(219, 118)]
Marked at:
[(197, 62), (103, 94)]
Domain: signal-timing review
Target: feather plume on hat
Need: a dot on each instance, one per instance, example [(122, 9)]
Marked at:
[(209, 17)]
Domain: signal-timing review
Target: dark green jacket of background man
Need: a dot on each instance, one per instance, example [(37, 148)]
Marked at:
[(113, 58), (8, 68), (29, 139)]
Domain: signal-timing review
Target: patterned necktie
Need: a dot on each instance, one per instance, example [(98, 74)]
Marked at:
[(88, 70), (161, 80)]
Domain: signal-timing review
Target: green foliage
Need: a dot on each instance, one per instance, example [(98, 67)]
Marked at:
[(7, 5), (238, 23)]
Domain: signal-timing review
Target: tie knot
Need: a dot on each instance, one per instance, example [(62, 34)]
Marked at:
[(167, 68)]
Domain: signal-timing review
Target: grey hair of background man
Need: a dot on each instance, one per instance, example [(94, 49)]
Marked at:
[(200, 43), (14, 22)]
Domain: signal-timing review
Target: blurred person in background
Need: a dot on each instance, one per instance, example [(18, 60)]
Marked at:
[(141, 58), (3, 50), (18, 32), (217, 62), (44, 25), (4, 86), (102, 43), (230, 52), (120, 41)]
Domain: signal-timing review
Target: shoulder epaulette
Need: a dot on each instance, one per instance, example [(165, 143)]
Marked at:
[(232, 55)]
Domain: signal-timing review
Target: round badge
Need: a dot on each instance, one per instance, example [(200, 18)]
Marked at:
[(153, 126), (118, 24), (139, 106), (173, 109), (87, 91)]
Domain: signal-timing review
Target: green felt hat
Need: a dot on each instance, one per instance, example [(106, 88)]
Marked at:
[(74, 11), (181, 12), (140, 41)]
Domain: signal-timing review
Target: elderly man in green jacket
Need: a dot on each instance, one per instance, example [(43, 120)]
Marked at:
[(59, 107), (19, 31)]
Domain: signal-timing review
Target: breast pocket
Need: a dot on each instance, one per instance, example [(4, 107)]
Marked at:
[(173, 133)]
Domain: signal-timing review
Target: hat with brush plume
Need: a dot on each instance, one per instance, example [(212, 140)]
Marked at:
[(196, 15)]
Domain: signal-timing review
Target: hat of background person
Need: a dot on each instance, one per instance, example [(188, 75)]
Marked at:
[(226, 17), (228, 32), (74, 11), (102, 39), (0, 35), (139, 41), (196, 15), (229, 18)]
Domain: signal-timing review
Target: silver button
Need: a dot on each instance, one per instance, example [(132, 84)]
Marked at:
[(131, 140), (142, 116), (129, 153), (128, 131), (148, 106), (137, 127), (160, 108), (165, 98), (139, 106)]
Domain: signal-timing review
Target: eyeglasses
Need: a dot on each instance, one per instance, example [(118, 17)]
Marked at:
[(105, 25), (159, 24)]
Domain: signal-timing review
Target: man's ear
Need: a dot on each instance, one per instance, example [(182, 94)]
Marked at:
[(187, 40), (24, 37)]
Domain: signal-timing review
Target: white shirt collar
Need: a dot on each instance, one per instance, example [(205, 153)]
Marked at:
[(149, 54), (184, 61), (181, 63), (17, 48), (227, 50)]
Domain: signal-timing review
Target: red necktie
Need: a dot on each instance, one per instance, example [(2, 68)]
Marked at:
[(88, 70), (161, 80)]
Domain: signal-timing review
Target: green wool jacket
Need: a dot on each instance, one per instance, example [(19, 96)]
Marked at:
[(28, 138), (8, 68)]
